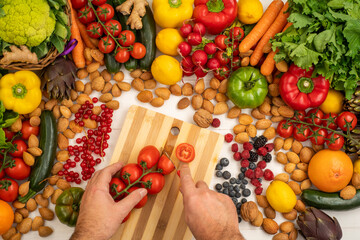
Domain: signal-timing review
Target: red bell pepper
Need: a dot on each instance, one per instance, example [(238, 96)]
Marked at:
[(300, 91), (216, 15)]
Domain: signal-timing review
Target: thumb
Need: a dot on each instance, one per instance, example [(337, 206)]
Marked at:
[(128, 203)]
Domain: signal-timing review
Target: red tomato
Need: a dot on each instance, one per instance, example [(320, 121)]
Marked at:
[(138, 51), (122, 55), (27, 130), (12, 191), (106, 44), (222, 57), (2, 173), (345, 120), (21, 148), (8, 134), (149, 156), (134, 172), (318, 140), (237, 32), (126, 38), (120, 185), (165, 165), (299, 115), (326, 121), (77, 4), (157, 182), (20, 171), (98, 2), (142, 201), (221, 41), (285, 129), (236, 63), (318, 116), (126, 218), (337, 141), (222, 73), (301, 132), (86, 15), (185, 152), (114, 27), (95, 30), (105, 12)]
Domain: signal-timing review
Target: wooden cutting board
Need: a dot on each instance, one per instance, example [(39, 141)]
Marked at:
[(163, 217)]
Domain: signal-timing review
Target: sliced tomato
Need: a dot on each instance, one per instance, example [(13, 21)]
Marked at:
[(185, 152)]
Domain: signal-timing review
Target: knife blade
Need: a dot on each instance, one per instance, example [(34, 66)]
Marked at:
[(167, 155)]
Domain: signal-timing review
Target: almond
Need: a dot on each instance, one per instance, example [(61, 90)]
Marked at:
[(62, 124), (208, 106), (124, 86), (183, 103), (257, 114), (98, 84), (146, 76), (52, 180), (79, 86), (306, 154), (63, 142), (119, 76), (263, 124), (18, 205), (56, 111), (62, 184), (274, 90), (197, 101), (275, 111), (278, 143), (9, 234), (257, 222), (187, 89), (57, 168), (113, 104), (115, 91), (28, 159), (209, 94), (199, 86), (138, 84), (16, 236), (242, 137), (286, 111), (282, 66), (107, 97), (284, 177), (24, 188), (96, 110), (221, 97), (288, 143), (31, 205), (281, 236), (74, 109), (18, 217), (270, 133), (239, 129), (45, 231), (276, 119), (145, 96), (221, 108), (82, 98), (281, 158), (175, 90), (223, 86), (37, 222), (49, 105), (107, 88), (245, 61), (270, 226), (157, 102), (290, 215), (289, 167), (62, 156), (251, 130), (296, 147), (270, 212), (136, 73), (348, 192), (277, 101), (295, 187), (306, 184), (35, 151), (67, 103), (265, 108), (300, 206), (150, 84), (286, 227), (262, 201), (35, 121), (293, 157), (55, 196), (92, 67), (293, 234), (234, 112), (162, 92), (24, 226), (94, 75), (33, 141), (245, 119), (48, 191), (298, 175), (36, 112), (214, 83)]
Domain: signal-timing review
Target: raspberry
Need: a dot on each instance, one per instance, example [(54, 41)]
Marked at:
[(268, 175), (260, 142), (255, 182), (253, 156), (245, 163), (234, 147), (247, 146), (267, 157), (228, 137), (249, 174), (258, 190), (269, 147), (261, 164), (262, 151), (258, 172), (237, 156), (215, 123), (245, 154)]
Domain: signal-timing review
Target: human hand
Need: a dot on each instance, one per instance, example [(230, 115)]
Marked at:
[(100, 216), (209, 215)]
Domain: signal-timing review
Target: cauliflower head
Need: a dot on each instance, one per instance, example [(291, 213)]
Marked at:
[(26, 22)]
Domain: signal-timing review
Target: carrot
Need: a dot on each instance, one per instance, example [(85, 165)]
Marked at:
[(258, 31), (269, 64), (78, 52), (275, 27), (84, 34)]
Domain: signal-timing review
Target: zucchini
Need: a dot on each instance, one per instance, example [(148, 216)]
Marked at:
[(331, 201), (111, 64), (43, 164), (147, 37)]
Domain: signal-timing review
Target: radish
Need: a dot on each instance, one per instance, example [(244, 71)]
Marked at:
[(199, 72), (199, 28), (187, 62), (199, 57), (210, 48), (184, 49), (185, 30), (188, 71), (213, 64), (194, 39)]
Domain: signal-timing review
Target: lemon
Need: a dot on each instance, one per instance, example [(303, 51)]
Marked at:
[(357, 166), (333, 102), (280, 196), (166, 70), (249, 11), (167, 41)]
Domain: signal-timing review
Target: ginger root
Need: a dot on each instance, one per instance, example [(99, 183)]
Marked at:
[(136, 13), (22, 54)]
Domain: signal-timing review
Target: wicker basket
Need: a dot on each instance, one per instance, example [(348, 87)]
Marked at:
[(43, 62)]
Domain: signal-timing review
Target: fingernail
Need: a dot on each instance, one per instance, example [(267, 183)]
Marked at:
[(143, 192)]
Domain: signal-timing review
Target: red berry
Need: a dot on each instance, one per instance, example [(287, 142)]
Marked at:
[(234, 147), (245, 154), (255, 182), (228, 137), (262, 151), (258, 172), (261, 164), (269, 147), (249, 174), (258, 190), (215, 123), (237, 156), (247, 146), (268, 175), (245, 163)]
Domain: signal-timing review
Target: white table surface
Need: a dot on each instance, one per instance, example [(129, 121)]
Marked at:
[(349, 220)]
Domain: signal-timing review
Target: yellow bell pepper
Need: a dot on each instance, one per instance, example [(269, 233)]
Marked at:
[(172, 13), (20, 91)]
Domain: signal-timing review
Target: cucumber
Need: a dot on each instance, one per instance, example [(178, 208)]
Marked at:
[(111, 64), (147, 37), (331, 201), (43, 164)]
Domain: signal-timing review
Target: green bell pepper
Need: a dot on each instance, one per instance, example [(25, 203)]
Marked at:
[(247, 87), (68, 205)]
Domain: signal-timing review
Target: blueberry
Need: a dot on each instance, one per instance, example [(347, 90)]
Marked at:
[(238, 210), (225, 191), (242, 186), (243, 200), (244, 181), (259, 179), (246, 192), (218, 173), (224, 162), (226, 174), (218, 187), (237, 189), (232, 180), (241, 176), (252, 165), (238, 181), (235, 201), (218, 167), (243, 169), (226, 184), (238, 205), (237, 194), (239, 219), (231, 188), (232, 193)]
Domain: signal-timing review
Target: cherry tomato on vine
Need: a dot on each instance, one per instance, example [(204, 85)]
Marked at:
[(222, 72), (8, 134), (317, 114), (142, 201), (126, 38), (114, 27), (9, 191), (95, 30), (221, 41), (120, 186), (98, 2), (318, 140), (301, 132), (185, 152), (21, 147), (237, 33), (20, 171), (105, 12), (122, 55), (346, 118), (236, 63), (27, 130), (222, 57), (2, 173), (138, 51), (337, 141), (86, 15), (157, 182), (285, 129), (165, 165), (299, 115), (133, 170), (106, 44), (149, 155), (332, 125), (77, 4)]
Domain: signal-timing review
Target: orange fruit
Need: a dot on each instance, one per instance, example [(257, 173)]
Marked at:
[(330, 171), (6, 217)]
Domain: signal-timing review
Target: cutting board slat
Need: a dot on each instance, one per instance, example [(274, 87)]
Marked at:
[(163, 217)]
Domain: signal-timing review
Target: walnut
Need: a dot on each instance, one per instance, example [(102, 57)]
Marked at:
[(203, 118), (249, 211)]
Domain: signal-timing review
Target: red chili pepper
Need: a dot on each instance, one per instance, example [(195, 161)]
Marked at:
[(216, 15), (300, 91)]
